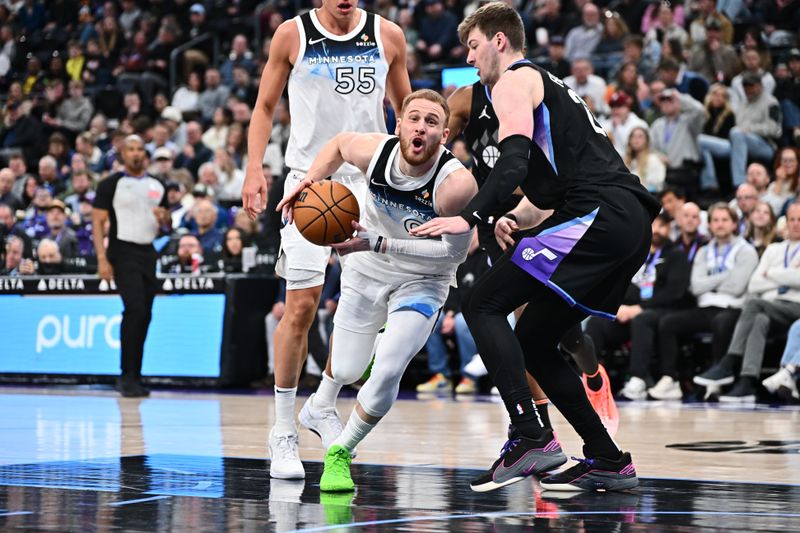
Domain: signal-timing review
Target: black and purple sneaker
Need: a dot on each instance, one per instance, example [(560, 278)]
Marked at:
[(595, 474), (521, 457)]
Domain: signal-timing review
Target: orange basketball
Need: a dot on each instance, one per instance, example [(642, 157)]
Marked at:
[(324, 212)]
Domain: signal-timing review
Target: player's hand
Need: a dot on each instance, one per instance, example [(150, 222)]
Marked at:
[(441, 226), (285, 205), (254, 192), (503, 230), (104, 269), (363, 241)]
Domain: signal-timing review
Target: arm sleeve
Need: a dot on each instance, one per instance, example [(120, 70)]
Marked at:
[(508, 173), (451, 249)]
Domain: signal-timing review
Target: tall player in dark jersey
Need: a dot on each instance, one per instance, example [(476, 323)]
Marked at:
[(577, 262), (472, 113)]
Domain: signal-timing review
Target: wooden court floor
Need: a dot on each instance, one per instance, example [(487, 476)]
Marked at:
[(146, 463)]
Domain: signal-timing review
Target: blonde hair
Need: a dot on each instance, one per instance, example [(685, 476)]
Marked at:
[(641, 157), (726, 109), (494, 18)]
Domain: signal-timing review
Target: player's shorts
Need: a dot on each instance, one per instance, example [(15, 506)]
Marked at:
[(365, 302), (588, 252), (301, 263)]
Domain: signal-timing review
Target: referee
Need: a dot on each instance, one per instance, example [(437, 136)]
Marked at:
[(132, 203)]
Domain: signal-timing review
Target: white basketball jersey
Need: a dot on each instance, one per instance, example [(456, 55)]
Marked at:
[(337, 84), (397, 203)]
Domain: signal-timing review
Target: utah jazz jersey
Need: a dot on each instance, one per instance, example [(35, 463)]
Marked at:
[(481, 135), (337, 84), (571, 158), (397, 203)]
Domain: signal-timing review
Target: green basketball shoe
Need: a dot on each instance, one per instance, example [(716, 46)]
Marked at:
[(336, 474)]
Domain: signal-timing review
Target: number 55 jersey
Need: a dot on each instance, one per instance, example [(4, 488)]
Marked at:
[(337, 84)]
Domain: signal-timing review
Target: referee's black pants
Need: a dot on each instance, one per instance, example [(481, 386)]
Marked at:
[(135, 276)]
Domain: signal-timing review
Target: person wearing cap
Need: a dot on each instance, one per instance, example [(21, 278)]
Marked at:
[(59, 232), (622, 121), (715, 60), (556, 62), (697, 29), (788, 93), (674, 135), (163, 160), (751, 59)]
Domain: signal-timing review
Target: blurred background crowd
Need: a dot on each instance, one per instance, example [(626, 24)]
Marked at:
[(701, 98)]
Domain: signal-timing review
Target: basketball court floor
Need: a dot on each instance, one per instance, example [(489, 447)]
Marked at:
[(83, 459)]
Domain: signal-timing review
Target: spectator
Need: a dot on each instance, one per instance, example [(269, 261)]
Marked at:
[(675, 134), (556, 62), (29, 188), (81, 222), (643, 162), (612, 41), (194, 152), (660, 286), (48, 175), (720, 119), (788, 93), (128, 17), (715, 60), (773, 305), (582, 40), (32, 16), (186, 99), (622, 121), (758, 126), (200, 54), (664, 29), (217, 134), (585, 83), (215, 95), (7, 195), (631, 83), (76, 60), (758, 177), (231, 179), (205, 216), (762, 229), (781, 20), (707, 11), (787, 173), (22, 130), (96, 68), (242, 87), (236, 145), (62, 235), (189, 258), (176, 191), (405, 19), (745, 202), (80, 190), (438, 38), (161, 139), (110, 39), (10, 228), (86, 147), (719, 278), (231, 260), (135, 56), (676, 76), (751, 60), (633, 52), (547, 22), (49, 258), (240, 56), (784, 381), (163, 163), (15, 264), (74, 112), (690, 240)]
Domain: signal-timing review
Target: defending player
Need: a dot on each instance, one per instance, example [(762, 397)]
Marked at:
[(577, 262), (395, 279), (339, 62), (472, 112)]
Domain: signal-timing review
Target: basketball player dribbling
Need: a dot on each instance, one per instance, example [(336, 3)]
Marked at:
[(394, 279), (577, 262), (472, 113), (339, 62)]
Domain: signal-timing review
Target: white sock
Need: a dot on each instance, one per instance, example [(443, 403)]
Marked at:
[(284, 410), (354, 432), (326, 393)]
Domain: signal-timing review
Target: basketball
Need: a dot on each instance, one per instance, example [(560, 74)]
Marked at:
[(324, 212)]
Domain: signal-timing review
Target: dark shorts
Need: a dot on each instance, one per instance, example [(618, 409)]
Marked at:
[(588, 252)]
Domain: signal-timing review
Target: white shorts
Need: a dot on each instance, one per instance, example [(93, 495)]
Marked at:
[(301, 263), (365, 303)]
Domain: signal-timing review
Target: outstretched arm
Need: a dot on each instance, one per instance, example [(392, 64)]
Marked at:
[(347, 147), (514, 96)]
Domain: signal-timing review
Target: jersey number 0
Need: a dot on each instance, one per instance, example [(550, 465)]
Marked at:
[(363, 80)]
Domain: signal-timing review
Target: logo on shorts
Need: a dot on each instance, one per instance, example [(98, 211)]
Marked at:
[(528, 254)]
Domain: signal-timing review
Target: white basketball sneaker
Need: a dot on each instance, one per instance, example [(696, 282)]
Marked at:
[(285, 456), (324, 422)]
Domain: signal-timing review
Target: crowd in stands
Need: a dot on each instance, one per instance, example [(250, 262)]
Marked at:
[(701, 98)]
